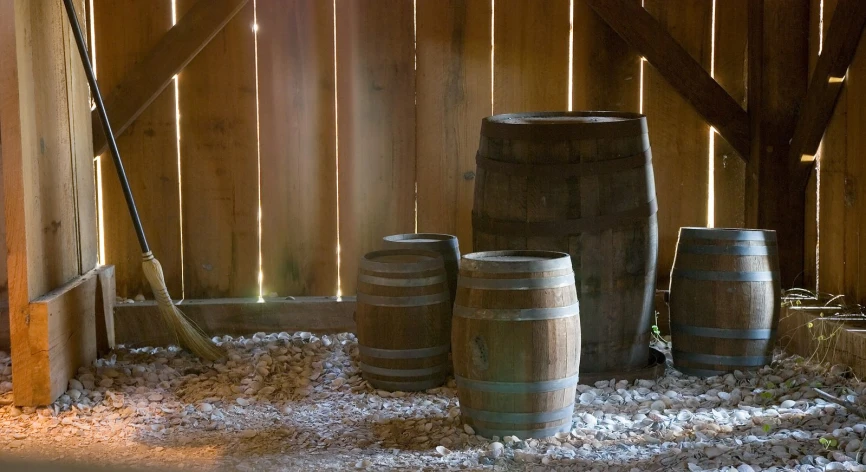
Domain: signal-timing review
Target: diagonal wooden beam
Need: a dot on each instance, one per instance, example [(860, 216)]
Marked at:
[(647, 36), (843, 36), (168, 57)]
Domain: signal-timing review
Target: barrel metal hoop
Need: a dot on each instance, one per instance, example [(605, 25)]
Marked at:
[(529, 418), (411, 282), (524, 433), (725, 276), (517, 314), (403, 353), (728, 250), (564, 227), (723, 333), (545, 262), (563, 169), (417, 300), (714, 359), (517, 284), (402, 372), (728, 235), (415, 385), (517, 387), (700, 372)]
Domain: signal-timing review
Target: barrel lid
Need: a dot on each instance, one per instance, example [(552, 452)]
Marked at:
[(561, 125), (440, 239), (728, 234), (516, 261), (398, 260)]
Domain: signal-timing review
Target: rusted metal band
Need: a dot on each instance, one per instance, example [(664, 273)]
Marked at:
[(402, 372), (428, 260), (411, 385), (517, 261), (728, 234), (571, 126), (417, 300), (517, 284), (516, 314), (725, 276), (722, 333), (563, 227), (528, 418), (388, 282), (404, 353), (727, 250), (517, 387), (554, 170)]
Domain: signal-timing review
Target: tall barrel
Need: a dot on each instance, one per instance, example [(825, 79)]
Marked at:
[(444, 244), (579, 183), (516, 342), (724, 300), (403, 319)]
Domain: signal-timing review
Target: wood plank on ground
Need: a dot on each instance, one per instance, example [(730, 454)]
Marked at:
[(606, 70), (819, 336), (453, 95), (219, 163), (126, 31), (530, 60), (679, 136), (729, 168), (298, 146), (376, 126), (134, 322)]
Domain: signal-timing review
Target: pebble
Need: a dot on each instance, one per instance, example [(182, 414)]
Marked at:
[(442, 450), (496, 449), (468, 430), (242, 401)]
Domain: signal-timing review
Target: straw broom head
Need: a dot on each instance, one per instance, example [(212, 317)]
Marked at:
[(189, 335)]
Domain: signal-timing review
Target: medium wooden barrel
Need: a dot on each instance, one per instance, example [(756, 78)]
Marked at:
[(403, 319), (724, 300), (444, 244), (580, 183), (516, 342)]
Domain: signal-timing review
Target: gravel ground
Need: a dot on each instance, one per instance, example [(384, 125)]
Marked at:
[(297, 402)]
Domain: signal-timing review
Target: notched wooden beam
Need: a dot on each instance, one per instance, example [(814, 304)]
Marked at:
[(646, 35), (843, 37), (149, 77)]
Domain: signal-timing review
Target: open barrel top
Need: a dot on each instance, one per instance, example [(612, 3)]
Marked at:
[(516, 261), (563, 125), (728, 234), (445, 239)]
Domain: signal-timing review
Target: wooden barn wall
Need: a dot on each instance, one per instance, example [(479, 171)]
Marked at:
[(288, 150), (836, 215)]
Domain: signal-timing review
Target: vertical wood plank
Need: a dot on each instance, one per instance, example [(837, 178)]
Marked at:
[(678, 135), (376, 126), (854, 184), (453, 95), (530, 63), (606, 71), (219, 163), (126, 30), (810, 264), (298, 146), (729, 169)]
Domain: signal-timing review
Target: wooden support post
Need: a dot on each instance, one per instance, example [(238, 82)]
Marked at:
[(843, 36), (139, 324), (778, 68), (170, 55), (644, 33)]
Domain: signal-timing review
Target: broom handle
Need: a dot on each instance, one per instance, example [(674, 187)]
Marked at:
[(106, 127)]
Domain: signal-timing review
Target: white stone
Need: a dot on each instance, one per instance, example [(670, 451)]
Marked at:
[(442, 450), (468, 429), (242, 401), (496, 449), (745, 468), (788, 404)]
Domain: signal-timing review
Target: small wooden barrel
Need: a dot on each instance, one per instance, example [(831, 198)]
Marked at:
[(724, 300), (444, 244), (403, 319), (580, 183), (516, 342)]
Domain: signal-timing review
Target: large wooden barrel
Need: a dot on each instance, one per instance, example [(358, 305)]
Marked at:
[(444, 244), (516, 342), (724, 300), (579, 183), (403, 319)]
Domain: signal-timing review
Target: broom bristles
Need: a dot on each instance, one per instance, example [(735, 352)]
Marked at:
[(188, 334)]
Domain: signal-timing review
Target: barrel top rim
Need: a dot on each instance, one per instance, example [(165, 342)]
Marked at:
[(438, 237), (564, 125), (568, 118), (532, 255), (737, 230)]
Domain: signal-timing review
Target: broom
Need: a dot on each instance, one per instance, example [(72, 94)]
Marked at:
[(187, 333)]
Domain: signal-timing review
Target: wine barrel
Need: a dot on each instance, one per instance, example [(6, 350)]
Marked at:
[(724, 300), (403, 319), (516, 342), (580, 183), (444, 244)]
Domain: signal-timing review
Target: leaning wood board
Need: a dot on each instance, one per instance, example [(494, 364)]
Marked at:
[(453, 95), (298, 146), (530, 57), (376, 123), (219, 164), (126, 31), (606, 71), (729, 168), (678, 135)]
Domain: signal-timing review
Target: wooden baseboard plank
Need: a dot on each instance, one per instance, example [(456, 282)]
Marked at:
[(139, 324), (819, 336)]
